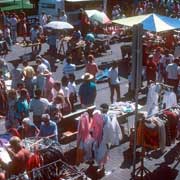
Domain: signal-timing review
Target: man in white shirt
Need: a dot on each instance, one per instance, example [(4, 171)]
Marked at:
[(63, 16), (41, 67), (173, 73), (113, 80), (43, 19), (164, 61), (177, 50)]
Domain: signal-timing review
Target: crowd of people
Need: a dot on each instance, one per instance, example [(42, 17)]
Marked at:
[(35, 103)]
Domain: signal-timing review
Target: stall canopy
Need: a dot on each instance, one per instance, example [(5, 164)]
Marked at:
[(95, 15), (8, 5), (80, 0), (151, 22)]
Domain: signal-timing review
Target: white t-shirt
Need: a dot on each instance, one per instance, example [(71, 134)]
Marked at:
[(165, 60), (172, 71), (43, 20), (177, 51), (41, 68), (72, 87), (55, 92), (7, 33), (66, 91), (113, 76)]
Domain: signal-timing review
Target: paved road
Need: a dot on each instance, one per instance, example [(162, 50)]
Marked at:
[(103, 94)]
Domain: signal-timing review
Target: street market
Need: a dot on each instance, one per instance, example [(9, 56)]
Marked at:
[(89, 91)]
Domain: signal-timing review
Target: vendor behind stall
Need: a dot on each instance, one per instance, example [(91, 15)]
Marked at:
[(28, 129), (48, 128)]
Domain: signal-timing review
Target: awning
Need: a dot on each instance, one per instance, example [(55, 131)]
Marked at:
[(8, 5), (151, 22), (81, 0)]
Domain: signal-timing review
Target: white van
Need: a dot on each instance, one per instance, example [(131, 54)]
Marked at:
[(51, 7)]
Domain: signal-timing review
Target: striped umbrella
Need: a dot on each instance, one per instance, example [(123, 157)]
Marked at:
[(95, 15)]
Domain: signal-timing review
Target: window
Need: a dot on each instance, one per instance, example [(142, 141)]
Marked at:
[(50, 6)]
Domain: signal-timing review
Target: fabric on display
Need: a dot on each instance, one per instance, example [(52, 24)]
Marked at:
[(159, 131)]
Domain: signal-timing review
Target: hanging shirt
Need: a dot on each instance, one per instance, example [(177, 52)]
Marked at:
[(169, 99), (152, 99)]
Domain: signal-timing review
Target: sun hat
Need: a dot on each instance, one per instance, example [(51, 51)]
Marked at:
[(87, 76)]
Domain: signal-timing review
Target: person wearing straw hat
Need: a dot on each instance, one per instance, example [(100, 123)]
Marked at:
[(87, 90)]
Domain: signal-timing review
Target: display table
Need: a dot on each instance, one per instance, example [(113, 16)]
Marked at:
[(123, 111)]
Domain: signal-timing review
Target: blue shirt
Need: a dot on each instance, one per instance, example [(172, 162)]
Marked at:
[(87, 93), (49, 129), (46, 62), (69, 69)]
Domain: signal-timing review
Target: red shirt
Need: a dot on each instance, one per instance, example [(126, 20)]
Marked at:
[(151, 69), (19, 162), (92, 68)]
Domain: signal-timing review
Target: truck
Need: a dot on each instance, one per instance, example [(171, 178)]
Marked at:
[(71, 7)]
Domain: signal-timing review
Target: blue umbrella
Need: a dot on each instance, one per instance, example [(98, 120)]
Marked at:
[(151, 22)]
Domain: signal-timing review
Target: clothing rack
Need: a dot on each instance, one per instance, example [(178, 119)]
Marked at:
[(162, 84), (162, 110), (74, 173), (165, 85), (163, 88), (142, 171)]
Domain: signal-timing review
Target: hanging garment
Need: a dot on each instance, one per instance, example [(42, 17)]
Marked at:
[(150, 134), (83, 128), (172, 121), (116, 130), (162, 133), (97, 126), (169, 99), (84, 139), (102, 152), (152, 99)]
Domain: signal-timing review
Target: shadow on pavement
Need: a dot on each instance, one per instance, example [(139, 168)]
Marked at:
[(128, 158)]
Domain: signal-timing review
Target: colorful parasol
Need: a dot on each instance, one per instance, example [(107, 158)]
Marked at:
[(95, 15)]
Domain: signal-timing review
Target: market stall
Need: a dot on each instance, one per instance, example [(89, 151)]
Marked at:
[(47, 161)]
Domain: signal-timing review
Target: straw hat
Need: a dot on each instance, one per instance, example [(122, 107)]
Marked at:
[(87, 77)]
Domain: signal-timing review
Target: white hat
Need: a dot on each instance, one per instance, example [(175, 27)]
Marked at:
[(87, 76)]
